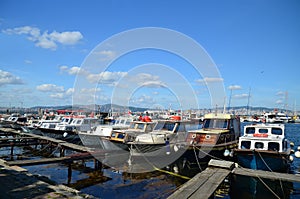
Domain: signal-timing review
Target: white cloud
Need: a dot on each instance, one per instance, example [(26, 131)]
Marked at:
[(70, 91), (106, 77), (241, 96), (57, 95), (234, 87), (67, 38), (50, 88), (209, 79), (280, 93), (47, 40), (75, 70), (8, 78), (106, 55), (279, 102), (153, 84)]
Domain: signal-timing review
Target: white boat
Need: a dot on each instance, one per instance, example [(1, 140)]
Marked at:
[(275, 117), (264, 147), (165, 134), (49, 123), (93, 137)]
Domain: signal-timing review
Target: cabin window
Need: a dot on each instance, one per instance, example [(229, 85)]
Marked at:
[(121, 136), (85, 121), (215, 124), (140, 126), (246, 144), (164, 126), (263, 130), (277, 131), (259, 145), (250, 130), (149, 127), (273, 146)]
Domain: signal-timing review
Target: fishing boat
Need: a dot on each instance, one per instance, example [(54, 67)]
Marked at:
[(122, 137), (98, 136), (162, 139), (216, 139), (264, 147)]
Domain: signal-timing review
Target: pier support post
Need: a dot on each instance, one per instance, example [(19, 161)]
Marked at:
[(62, 152), (69, 172), (12, 151), (97, 164)]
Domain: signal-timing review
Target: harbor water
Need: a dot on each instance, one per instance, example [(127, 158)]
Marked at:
[(110, 183)]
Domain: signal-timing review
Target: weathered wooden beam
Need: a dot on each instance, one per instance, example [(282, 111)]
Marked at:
[(266, 174)]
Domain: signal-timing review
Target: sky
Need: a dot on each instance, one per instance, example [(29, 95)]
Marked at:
[(154, 54)]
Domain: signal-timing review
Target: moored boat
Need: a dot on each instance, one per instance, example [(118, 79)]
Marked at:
[(98, 136), (216, 139), (162, 140), (264, 147)]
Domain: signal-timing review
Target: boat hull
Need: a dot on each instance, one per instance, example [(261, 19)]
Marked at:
[(252, 159)]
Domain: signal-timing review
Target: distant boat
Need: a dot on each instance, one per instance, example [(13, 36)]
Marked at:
[(275, 118), (264, 147)]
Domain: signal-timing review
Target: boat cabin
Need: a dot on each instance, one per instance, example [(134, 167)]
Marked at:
[(269, 137), (129, 134), (217, 128)]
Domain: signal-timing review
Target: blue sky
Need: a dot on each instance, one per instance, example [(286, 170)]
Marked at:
[(45, 45)]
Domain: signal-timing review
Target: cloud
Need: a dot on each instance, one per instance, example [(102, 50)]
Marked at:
[(241, 96), (279, 102), (280, 93), (106, 77), (209, 80), (234, 87), (46, 40), (75, 70), (106, 55), (8, 78), (50, 88)]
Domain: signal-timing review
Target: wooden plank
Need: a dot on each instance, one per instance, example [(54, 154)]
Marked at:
[(266, 174), (221, 163), (202, 185), (210, 186), (36, 162)]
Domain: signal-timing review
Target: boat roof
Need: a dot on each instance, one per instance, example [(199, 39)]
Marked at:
[(218, 116)]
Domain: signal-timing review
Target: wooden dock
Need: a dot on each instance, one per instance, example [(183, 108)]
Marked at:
[(204, 184), (17, 138)]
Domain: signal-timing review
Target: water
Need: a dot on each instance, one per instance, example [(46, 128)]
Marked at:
[(109, 183)]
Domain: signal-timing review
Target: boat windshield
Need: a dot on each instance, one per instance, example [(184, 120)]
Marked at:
[(164, 126), (215, 124)]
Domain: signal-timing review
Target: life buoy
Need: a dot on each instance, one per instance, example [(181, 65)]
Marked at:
[(194, 136), (260, 135)]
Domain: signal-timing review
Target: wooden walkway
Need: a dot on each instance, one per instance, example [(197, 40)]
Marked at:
[(26, 139), (204, 184)]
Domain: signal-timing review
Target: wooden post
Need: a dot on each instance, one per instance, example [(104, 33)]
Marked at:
[(69, 172), (97, 164), (12, 151), (62, 152)]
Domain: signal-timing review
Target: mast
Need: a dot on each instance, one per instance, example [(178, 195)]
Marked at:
[(248, 102)]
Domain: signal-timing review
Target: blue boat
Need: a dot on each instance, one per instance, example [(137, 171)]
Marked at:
[(264, 147)]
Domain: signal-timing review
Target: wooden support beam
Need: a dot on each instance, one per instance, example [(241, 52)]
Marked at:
[(266, 174)]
